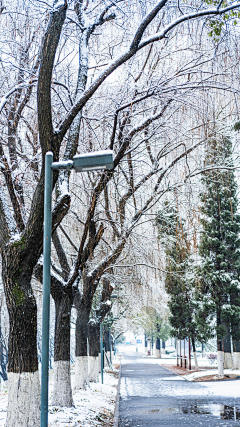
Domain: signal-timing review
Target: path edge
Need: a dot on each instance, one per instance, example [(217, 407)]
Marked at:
[(116, 413), (169, 370)]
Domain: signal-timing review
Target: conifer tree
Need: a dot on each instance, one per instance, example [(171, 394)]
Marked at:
[(220, 248), (178, 277)]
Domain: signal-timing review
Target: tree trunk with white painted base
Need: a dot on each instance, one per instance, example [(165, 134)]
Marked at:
[(94, 346), (23, 376), (24, 399), (220, 352), (228, 360), (236, 354), (99, 363), (227, 348), (93, 369), (62, 390), (236, 360), (220, 360), (195, 354), (81, 370), (158, 348)]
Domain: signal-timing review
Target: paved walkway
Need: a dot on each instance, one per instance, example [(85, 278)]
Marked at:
[(151, 395)]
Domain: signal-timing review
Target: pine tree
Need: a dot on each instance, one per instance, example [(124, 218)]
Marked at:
[(220, 247)]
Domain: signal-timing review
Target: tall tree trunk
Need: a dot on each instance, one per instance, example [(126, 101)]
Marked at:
[(235, 334), (158, 348), (227, 348), (62, 391), (195, 354), (145, 343), (81, 371), (3, 358), (163, 347), (23, 376), (236, 354), (220, 353), (94, 346)]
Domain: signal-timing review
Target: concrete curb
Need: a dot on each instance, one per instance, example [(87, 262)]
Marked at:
[(116, 413), (169, 370)]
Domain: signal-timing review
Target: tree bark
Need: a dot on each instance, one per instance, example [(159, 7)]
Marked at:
[(81, 374), (94, 348), (62, 391), (158, 349), (24, 385), (220, 353), (227, 348)]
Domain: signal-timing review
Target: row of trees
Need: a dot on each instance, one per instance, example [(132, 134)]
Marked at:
[(55, 60), (204, 292)]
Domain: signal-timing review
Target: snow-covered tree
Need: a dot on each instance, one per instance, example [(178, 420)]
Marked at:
[(179, 282), (36, 38), (220, 248)]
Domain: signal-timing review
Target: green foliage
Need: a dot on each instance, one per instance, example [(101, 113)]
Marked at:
[(218, 24), (178, 278), (219, 274), (154, 324)]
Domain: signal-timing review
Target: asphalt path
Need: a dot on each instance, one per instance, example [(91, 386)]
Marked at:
[(151, 395)]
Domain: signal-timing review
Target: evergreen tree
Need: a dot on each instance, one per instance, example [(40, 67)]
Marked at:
[(220, 247), (178, 277)]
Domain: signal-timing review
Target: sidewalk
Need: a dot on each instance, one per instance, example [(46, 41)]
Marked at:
[(203, 371), (151, 395)]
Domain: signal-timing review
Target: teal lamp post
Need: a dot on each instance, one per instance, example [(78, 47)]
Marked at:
[(110, 338), (85, 162)]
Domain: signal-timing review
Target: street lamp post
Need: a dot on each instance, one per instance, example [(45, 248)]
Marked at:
[(80, 163), (109, 336), (101, 351)]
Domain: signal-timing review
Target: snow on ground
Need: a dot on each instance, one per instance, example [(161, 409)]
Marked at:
[(94, 407), (194, 375)]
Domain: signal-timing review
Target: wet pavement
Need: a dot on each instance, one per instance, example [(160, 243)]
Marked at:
[(151, 395)]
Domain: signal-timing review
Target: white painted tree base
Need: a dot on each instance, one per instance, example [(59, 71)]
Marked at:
[(62, 390), (195, 360), (99, 363), (163, 350), (220, 360), (158, 353), (227, 361), (23, 400), (93, 366), (81, 372), (236, 360)]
